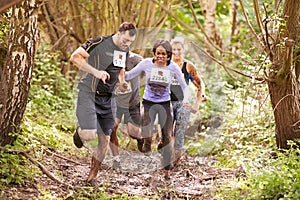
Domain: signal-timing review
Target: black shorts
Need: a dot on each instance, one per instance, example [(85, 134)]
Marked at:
[(105, 113), (131, 114)]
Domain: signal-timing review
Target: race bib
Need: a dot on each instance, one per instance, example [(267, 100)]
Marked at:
[(119, 59), (160, 76)]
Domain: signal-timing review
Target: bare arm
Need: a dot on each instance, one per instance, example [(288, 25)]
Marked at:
[(78, 58), (198, 82), (122, 75), (123, 85)]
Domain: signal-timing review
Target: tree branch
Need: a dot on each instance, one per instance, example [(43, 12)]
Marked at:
[(35, 162), (191, 30), (258, 17), (250, 26), (229, 68), (196, 20), (43, 168), (59, 156), (5, 4), (267, 38)]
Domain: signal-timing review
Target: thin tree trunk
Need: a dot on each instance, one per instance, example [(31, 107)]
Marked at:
[(209, 11), (16, 71), (234, 22)]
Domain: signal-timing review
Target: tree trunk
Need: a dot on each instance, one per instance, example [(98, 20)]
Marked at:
[(16, 71), (209, 9), (234, 22), (282, 82)]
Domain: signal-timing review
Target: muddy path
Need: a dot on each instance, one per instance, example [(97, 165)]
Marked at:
[(140, 175)]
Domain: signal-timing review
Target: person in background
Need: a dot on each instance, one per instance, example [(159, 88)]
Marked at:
[(180, 113), (128, 105), (159, 71), (102, 58)]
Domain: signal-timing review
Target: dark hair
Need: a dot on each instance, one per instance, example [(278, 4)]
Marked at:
[(166, 45), (127, 26)]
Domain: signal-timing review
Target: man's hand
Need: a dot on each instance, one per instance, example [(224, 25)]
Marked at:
[(123, 87), (102, 75)]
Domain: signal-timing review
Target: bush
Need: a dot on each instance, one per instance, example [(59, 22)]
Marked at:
[(249, 143)]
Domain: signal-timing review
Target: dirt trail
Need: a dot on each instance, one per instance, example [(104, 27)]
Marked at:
[(195, 178)]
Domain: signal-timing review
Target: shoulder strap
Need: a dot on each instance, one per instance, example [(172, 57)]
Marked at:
[(185, 72), (91, 43)]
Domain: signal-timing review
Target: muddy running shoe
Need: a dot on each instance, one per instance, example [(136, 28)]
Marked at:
[(176, 163), (167, 174), (178, 157), (159, 148), (116, 164), (140, 143), (147, 146), (76, 139)]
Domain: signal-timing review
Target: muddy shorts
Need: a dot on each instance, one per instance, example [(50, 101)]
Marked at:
[(131, 114), (95, 112)]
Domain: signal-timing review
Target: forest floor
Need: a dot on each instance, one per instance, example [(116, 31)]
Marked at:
[(140, 175), (63, 176)]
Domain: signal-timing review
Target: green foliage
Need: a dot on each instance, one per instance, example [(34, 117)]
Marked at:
[(182, 11), (88, 193), (51, 94), (4, 28), (249, 143), (47, 122), (13, 170), (223, 8), (50, 108), (276, 178), (204, 144)]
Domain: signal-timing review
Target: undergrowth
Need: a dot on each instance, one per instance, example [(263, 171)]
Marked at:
[(47, 123), (248, 137), (246, 141)]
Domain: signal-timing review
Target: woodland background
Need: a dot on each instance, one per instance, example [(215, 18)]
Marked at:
[(247, 53)]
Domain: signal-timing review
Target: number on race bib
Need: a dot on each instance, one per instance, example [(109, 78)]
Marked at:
[(119, 59)]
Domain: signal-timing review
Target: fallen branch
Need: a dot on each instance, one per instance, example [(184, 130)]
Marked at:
[(62, 157), (13, 150), (43, 168), (35, 162)]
